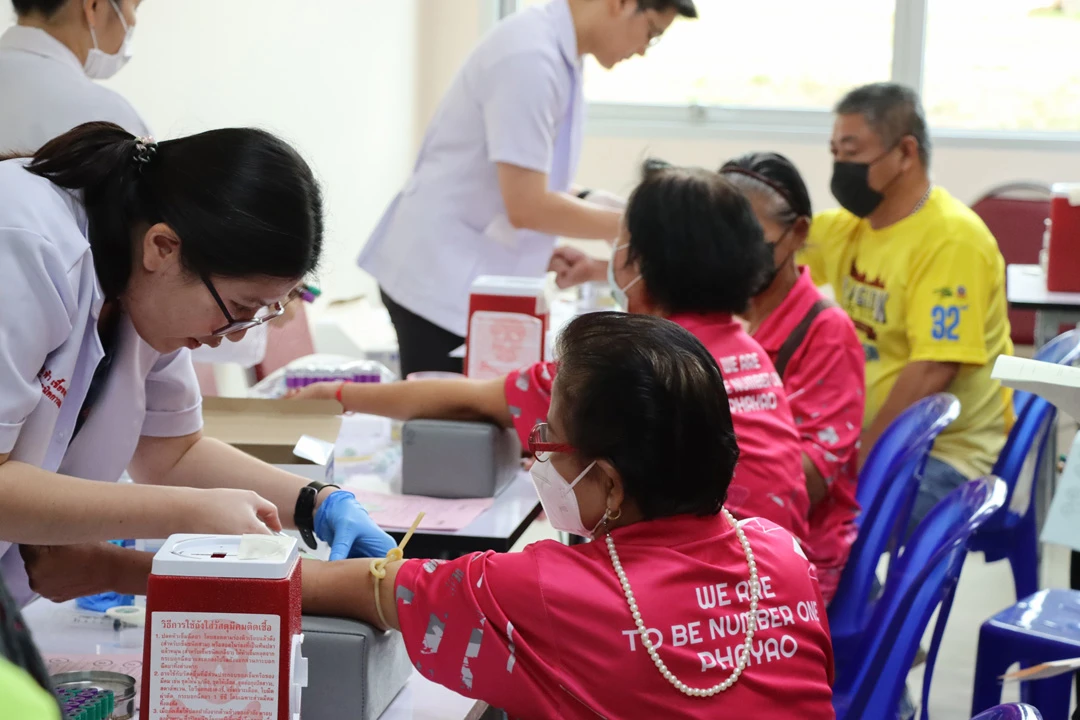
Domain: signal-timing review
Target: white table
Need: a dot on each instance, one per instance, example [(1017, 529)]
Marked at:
[(1027, 291), (65, 630), (497, 528)]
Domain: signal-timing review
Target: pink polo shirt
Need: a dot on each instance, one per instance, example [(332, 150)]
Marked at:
[(546, 633), (769, 480), (825, 385)]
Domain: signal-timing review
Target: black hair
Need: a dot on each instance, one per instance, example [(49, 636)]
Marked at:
[(777, 177), (893, 111), (45, 8), (645, 395), (684, 8), (699, 245), (242, 201)]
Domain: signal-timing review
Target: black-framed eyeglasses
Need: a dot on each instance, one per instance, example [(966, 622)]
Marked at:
[(233, 325)]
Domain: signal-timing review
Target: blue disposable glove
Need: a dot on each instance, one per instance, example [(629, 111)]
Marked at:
[(102, 602), (346, 526)]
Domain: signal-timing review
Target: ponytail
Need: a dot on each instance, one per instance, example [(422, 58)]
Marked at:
[(98, 159), (242, 201)]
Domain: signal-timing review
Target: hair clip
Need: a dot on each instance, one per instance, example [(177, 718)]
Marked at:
[(145, 149)]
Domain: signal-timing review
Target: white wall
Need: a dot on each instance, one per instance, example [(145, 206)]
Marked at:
[(337, 78), (611, 161)]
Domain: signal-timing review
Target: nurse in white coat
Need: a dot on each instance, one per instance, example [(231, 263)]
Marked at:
[(118, 256), (492, 187), (49, 64)]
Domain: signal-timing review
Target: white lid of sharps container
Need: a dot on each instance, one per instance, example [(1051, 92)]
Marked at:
[(255, 557)]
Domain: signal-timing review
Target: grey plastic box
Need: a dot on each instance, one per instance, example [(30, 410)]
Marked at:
[(454, 459), (354, 670)]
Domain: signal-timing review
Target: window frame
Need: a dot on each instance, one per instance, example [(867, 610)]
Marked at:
[(760, 123)]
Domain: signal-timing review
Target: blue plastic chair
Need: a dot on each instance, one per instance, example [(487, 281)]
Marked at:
[(1011, 711), (886, 493), (924, 575), (1012, 534), (1040, 628)]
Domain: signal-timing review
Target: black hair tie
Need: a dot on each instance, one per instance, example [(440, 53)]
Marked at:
[(145, 150)]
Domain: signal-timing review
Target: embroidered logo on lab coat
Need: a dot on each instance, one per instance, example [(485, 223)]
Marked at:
[(55, 389)]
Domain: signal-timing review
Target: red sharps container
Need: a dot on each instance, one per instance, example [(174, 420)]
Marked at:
[(1063, 274), (223, 634), (508, 319)]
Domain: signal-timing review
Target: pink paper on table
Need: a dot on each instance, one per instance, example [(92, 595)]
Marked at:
[(399, 511)]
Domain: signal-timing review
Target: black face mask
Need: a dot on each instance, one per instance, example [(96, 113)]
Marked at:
[(851, 186), (777, 266)]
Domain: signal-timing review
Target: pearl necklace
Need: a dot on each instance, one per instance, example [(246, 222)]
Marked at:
[(751, 625)]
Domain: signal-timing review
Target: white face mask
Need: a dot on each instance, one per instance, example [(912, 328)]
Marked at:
[(558, 498), (101, 65), (617, 292)]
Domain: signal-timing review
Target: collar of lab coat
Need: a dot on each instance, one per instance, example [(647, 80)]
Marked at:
[(564, 24), (78, 209), (74, 200), (39, 42)]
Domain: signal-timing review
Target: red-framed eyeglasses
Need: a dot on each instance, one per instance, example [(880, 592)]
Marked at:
[(542, 445)]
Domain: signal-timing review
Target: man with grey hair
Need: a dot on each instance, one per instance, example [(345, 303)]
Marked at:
[(922, 279)]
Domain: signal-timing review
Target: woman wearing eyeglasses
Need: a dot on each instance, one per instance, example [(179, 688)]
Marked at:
[(654, 618), (118, 256)]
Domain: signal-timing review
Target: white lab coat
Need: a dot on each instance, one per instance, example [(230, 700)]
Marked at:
[(517, 100), (44, 92), (50, 301)]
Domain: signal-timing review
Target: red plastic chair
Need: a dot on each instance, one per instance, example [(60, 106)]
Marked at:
[(1015, 214), (285, 344)]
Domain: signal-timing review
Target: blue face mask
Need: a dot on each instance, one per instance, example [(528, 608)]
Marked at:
[(619, 293)]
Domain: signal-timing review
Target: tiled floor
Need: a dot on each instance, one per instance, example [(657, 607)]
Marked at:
[(984, 590)]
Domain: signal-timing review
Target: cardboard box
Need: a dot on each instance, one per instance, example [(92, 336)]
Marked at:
[(275, 431)]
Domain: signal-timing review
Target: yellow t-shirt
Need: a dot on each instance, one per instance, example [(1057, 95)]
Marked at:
[(928, 288), (21, 697)]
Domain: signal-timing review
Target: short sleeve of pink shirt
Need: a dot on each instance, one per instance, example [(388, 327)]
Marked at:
[(528, 394), (825, 385), (459, 635)]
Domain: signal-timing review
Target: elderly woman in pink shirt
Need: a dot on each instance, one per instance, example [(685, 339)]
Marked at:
[(676, 610), (817, 354)]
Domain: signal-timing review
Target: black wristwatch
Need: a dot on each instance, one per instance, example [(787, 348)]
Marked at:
[(304, 515)]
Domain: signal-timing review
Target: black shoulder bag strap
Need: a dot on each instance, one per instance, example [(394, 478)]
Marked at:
[(795, 339)]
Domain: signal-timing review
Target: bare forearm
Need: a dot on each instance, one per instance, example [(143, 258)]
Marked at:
[(428, 399), (209, 463), (346, 589), (915, 382), (44, 508), (560, 214), (129, 570), (816, 487)]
